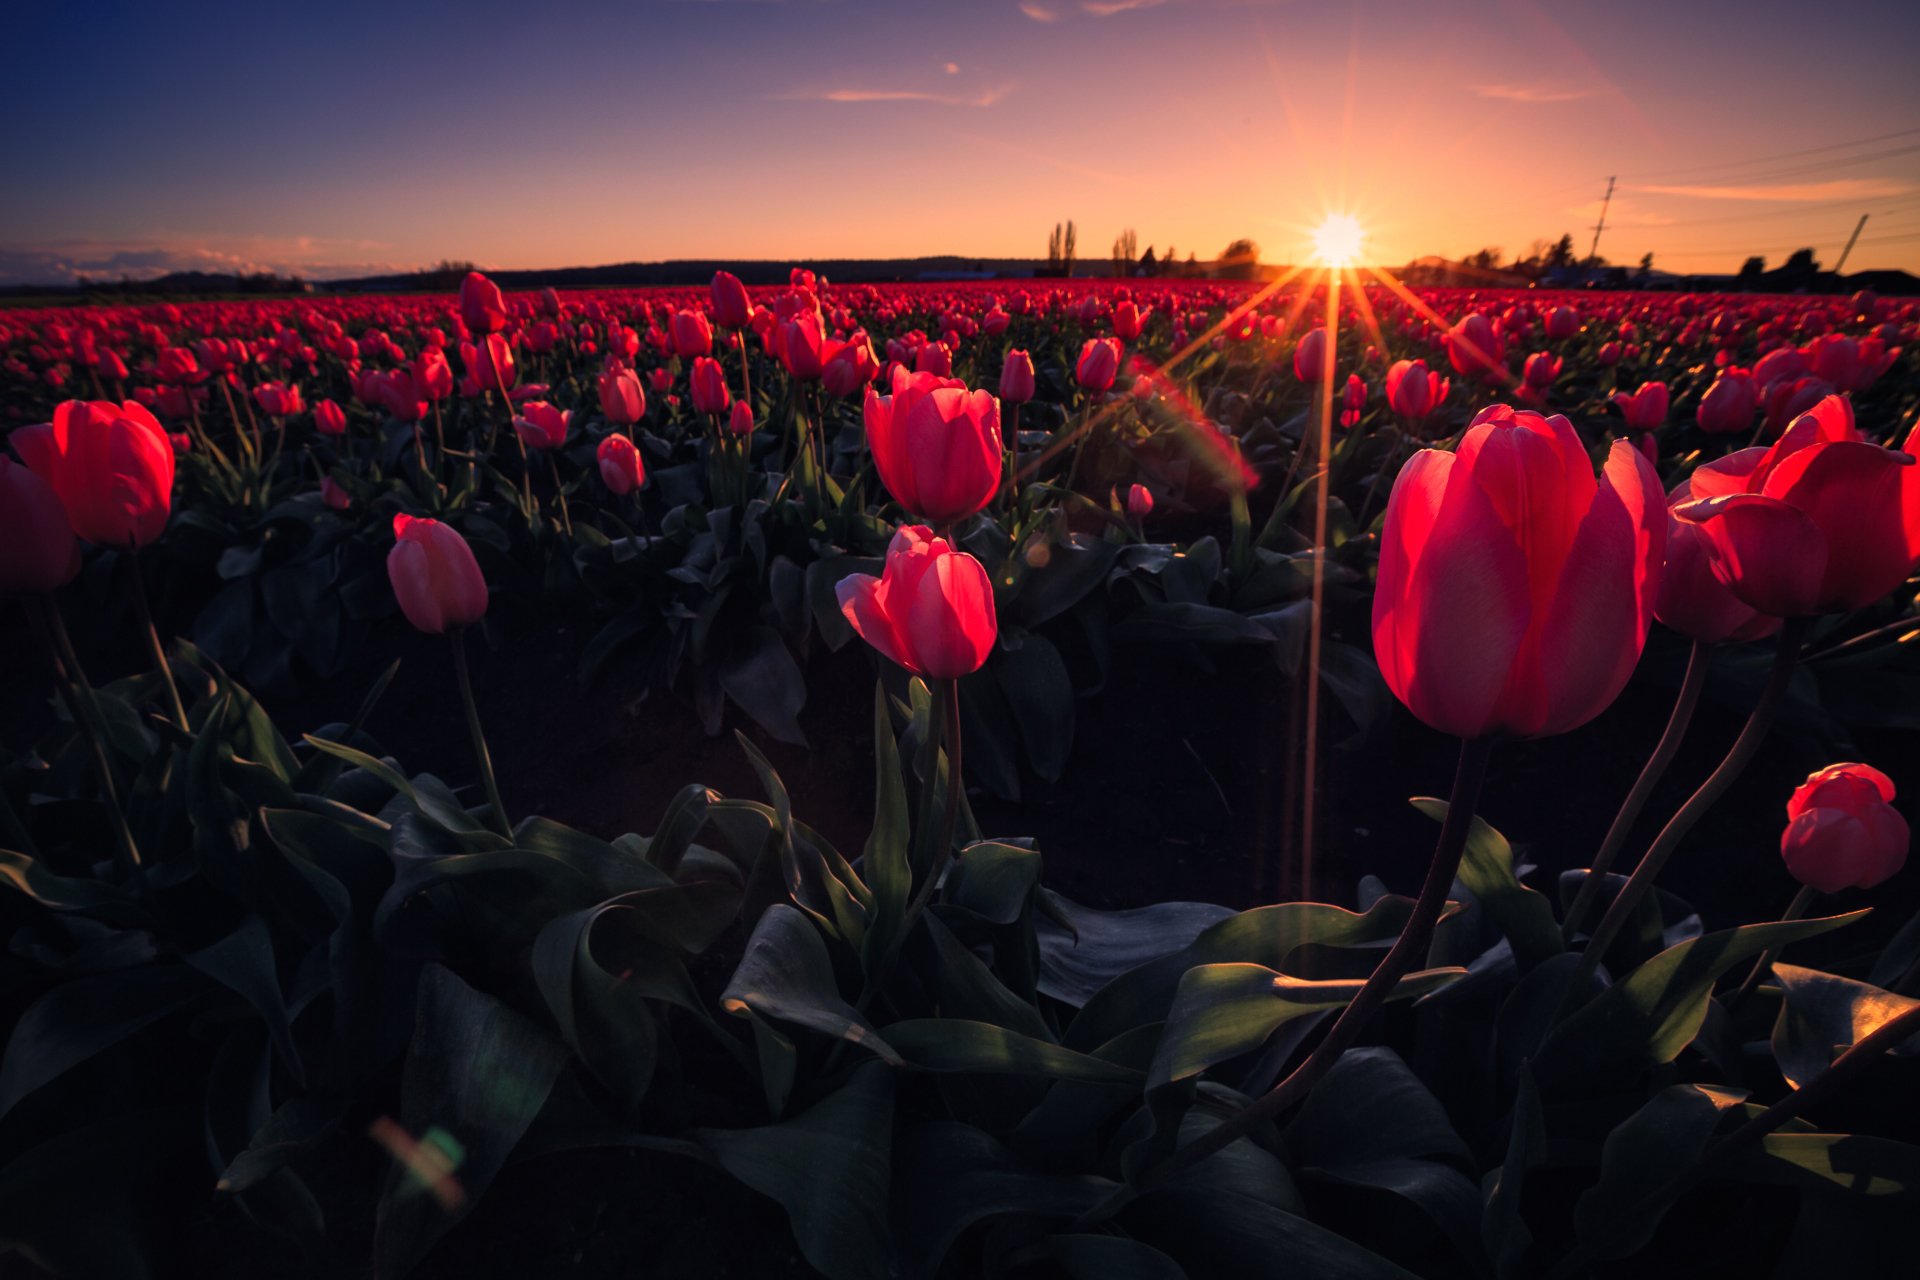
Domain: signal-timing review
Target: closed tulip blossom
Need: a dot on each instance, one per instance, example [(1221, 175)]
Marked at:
[(433, 375), (1016, 377), (935, 444), (731, 305), (1098, 364), (1139, 501), (1540, 371), (622, 399), (1645, 409), (1475, 347), (1309, 357), (434, 575), (708, 383), (1127, 321), (38, 552), (542, 425), (111, 466), (482, 308), (279, 399), (1822, 520), (1515, 590), (1353, 400), (329, 419), (1562, 323), (848, 366), (692, 335), (333, 495), (1843, 831), (1727, 407), (620, 465), (1413, 390), (931, 609), (740, 423)]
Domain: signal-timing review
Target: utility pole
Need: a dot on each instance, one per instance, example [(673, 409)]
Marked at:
[(1593, 250), (1857, 228)]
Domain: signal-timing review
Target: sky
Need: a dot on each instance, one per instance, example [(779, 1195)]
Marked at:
[(342, 139)]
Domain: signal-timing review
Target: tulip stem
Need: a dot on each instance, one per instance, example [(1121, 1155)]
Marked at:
[(83, 708), (746, 379), (526, 466), (1640, 883), (155, 649), (1698, 660), (1409, 947), (458, 638), (1013, 457), (559, 492), (1795, 910)]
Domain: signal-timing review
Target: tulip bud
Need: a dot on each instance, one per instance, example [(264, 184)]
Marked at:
[(622, 399), (692, 335), (1843, 831), (1098, 364), (731, 306), (482, 308), (38, 552), (620, 465), (434, 575), (1139, 501), (1728, 405), (541, 425), (1309, 357), (1016, 377), (329, 419), (708, 382), (931, 610), (741, 422)]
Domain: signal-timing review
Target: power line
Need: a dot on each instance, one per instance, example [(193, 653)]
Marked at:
[(1781, 155), (1812, 167)]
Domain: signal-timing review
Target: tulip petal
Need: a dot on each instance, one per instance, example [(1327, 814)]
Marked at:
[(1853, 491), (1596, 625), (1770, 554), (858, 596), (1452, 604)]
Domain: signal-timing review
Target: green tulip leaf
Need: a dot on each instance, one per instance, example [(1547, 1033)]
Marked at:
[(1822, 1015)]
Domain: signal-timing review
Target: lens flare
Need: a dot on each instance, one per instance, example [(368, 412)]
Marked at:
[(1336, 242)]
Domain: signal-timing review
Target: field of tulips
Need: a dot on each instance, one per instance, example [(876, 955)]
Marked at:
[(914, 781)]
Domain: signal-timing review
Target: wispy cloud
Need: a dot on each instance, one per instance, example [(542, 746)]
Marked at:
[(1040, 12), (1107, 8), (1837, 189), (984, 98), (64, 262), (1531, 92)]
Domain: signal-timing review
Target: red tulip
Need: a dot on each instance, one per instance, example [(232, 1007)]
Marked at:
[(708, 383), (1413, 390), (1728, 405), (333, 495), (1127, 321), (1823, 520), (1353, 400), (1843, 831), (620, 465), (1692, 600), (930, 611), (934, 358), (1474, 346), (329, 419), (797, 343), (1515, 591), (935, 444), (541, 425), (741, 423), (1562, 323), (1645, 409), (1099, 362), (38, 552), (279, 399), (1139, 501), (176, 365), (111, 466), (1540, 371), (1310, 357), (489, 364), (434, 575), (731, 305), (622, 399), (400, 396), (482, 308), (692, 335), (433, 375), (1016, 377), (849, 366)]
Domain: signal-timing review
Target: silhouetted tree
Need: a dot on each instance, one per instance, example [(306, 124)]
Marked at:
[(1754, 266), (1238, 260), (1125, 246), (1561, 255)]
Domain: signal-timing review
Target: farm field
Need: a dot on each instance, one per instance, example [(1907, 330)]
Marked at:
[(914, 780)]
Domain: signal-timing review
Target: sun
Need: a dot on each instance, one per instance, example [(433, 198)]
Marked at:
[(1336, 242)]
